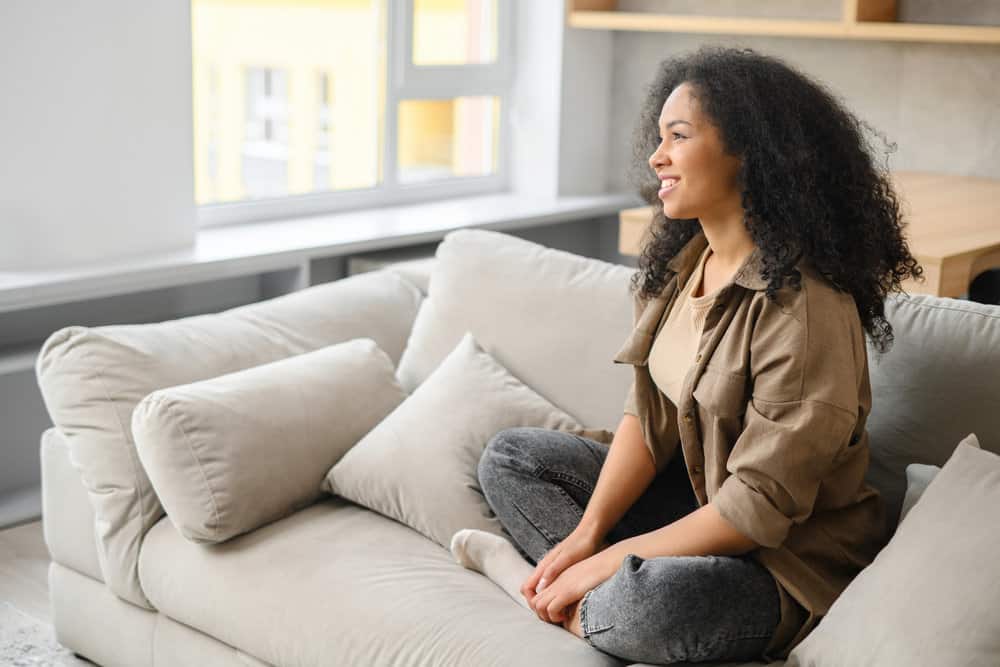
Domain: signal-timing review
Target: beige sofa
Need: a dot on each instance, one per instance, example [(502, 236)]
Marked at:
[(332, 582)]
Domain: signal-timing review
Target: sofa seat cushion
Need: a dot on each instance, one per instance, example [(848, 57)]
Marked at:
[(337, 584)]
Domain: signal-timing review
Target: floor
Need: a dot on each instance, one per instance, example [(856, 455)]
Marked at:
[(24, 566)]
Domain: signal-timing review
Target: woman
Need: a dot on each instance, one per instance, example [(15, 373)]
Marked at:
[(730, 509)]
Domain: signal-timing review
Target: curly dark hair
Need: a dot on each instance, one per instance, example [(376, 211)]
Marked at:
[(810, 184)]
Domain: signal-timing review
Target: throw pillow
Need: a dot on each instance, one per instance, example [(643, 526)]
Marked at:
[(418, 466), (229, 454), (930, 596), (918, 476)]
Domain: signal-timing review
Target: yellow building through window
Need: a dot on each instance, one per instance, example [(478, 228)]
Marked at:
[(290, 97)]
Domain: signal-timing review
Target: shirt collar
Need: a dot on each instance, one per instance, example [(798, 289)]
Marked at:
[(749, 275)]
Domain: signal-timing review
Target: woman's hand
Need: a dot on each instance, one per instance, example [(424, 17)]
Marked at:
[(572, 585), (577, 546)]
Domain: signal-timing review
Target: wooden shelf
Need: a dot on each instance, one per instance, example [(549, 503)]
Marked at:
[(950, 220), (861, 20)]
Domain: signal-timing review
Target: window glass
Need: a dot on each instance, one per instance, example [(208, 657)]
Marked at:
[(446, 138), (289, 96), (454, 32)]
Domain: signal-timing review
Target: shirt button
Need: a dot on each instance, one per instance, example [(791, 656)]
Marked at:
[(688, 418), (696, 470), (698, 358)]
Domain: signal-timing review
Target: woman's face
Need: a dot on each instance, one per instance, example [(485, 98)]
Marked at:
[(697, 178)]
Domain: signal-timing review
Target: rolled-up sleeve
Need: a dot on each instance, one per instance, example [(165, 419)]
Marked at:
[(778, 463), (807, 369)]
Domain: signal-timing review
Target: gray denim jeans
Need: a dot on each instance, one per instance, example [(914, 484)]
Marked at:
[(658, 610)]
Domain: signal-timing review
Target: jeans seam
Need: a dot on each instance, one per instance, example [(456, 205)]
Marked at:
[(572, 479), (583, 618), (549, 537), (541, 531), (707, 651)]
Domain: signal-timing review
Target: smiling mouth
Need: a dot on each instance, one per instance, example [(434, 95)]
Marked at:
[(667, 186)]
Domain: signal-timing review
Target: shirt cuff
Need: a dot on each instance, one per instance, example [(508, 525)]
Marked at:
[(751, 513)]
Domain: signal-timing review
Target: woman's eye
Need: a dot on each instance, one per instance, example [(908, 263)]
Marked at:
[(677, 135)]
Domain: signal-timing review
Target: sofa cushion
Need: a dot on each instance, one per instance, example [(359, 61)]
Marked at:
[(539, 311), (231, 453), (92, 377), (418, 466), (417, 271), (930, 596), (920, 475), (935, 385), (337, 584)]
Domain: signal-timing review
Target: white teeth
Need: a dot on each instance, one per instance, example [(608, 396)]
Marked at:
[(668, 182)]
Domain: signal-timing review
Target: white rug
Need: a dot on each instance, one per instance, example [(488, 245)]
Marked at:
[(27, 642)]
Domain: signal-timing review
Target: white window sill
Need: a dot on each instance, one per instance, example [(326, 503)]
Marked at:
[(263, 247)]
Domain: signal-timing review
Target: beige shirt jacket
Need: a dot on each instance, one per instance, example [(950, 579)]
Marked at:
[(771, 425)]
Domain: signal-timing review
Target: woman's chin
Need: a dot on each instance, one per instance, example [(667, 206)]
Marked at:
[(672, 212)]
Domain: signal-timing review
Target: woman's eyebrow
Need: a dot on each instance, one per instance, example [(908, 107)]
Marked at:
[(676, 122)]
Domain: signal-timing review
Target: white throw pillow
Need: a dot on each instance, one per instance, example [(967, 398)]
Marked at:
[(229, 454), (918, 476), (419, 465), (930, 596)]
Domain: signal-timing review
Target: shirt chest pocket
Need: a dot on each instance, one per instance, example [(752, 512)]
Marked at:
[(722, 393)]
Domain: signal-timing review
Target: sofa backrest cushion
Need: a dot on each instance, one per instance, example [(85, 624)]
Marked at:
[(554, 319), (91, 378), (232, 453), (939, 382)]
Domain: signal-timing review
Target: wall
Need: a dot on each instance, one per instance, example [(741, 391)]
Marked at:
[(95, 126)]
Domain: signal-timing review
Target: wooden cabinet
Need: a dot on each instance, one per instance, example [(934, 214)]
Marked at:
[(860, 19)]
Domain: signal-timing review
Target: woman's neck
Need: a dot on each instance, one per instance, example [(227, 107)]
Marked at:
[(730, 245)]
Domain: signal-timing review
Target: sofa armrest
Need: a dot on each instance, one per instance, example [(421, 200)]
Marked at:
[(67, 516)]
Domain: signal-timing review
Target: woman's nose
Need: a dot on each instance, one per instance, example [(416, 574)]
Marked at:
[(659, 157)]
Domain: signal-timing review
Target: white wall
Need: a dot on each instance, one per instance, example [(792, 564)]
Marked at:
[(561, 103), (95, 130)]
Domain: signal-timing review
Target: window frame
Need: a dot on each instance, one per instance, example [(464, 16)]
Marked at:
[(404, 81)]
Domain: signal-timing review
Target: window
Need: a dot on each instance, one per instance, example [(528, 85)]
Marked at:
[(264, 164), (311, 106)]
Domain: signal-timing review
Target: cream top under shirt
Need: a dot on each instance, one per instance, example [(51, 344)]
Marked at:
[(676, 344)]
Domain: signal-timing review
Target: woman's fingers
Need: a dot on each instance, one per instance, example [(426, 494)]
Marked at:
[(553, 609), (541, 605), (530, 585)]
